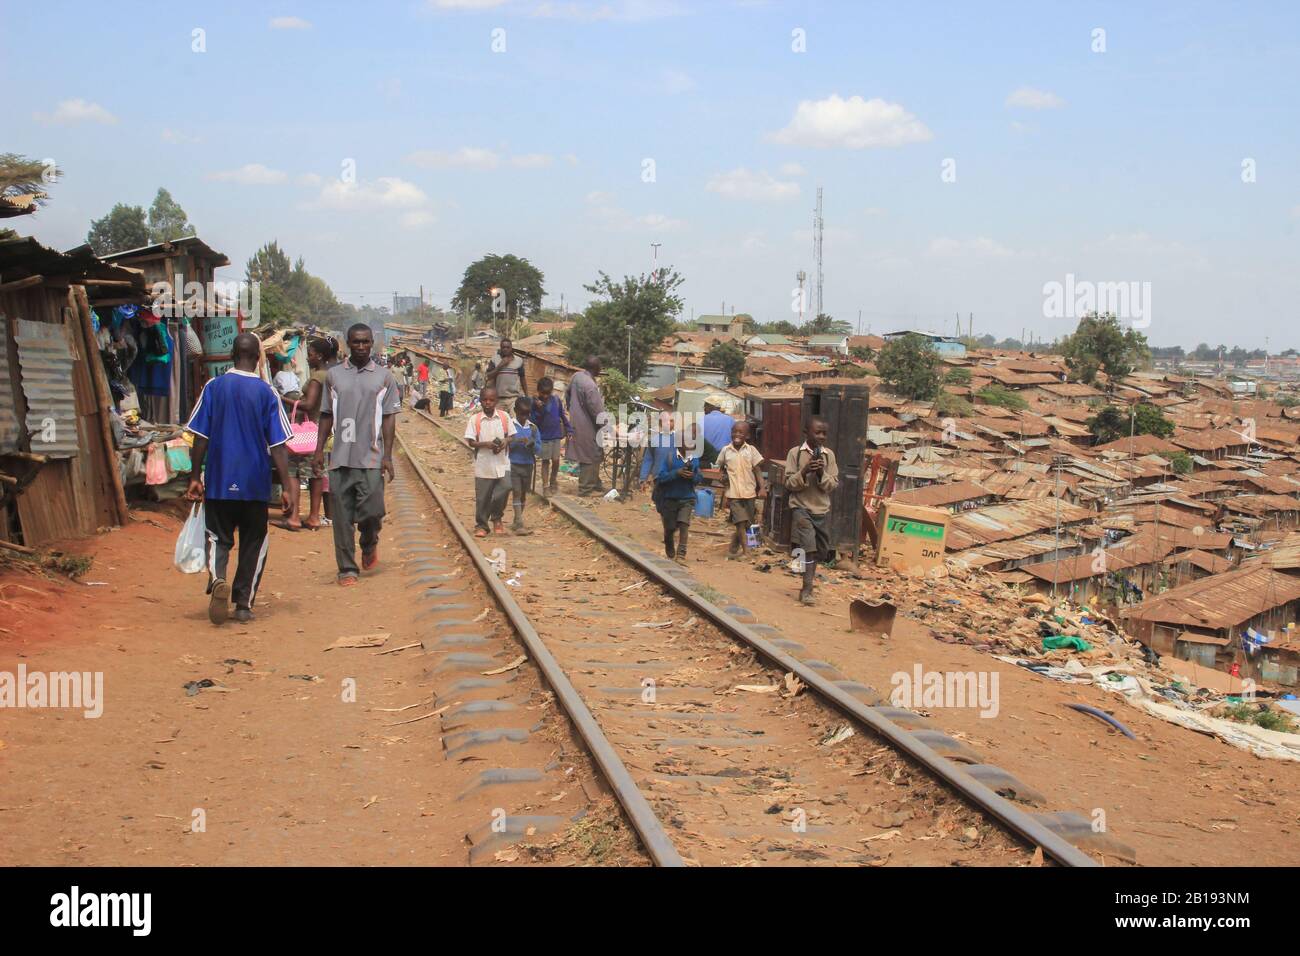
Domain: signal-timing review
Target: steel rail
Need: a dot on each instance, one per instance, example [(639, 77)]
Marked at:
[(1013, 818), (647, 825)]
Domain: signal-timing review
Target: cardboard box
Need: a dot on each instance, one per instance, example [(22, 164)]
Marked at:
[(912, 538)]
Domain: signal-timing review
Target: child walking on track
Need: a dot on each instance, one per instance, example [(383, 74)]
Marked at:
[(810, 476), (486, 433), (523, 458), (553, 424), (676, 483), (742, 463)]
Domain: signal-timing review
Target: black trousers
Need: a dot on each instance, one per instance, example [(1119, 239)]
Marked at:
[(225, 519)]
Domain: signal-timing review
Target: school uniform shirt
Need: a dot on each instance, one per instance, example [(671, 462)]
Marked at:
[(358, 399), (740, 470), (811, 493), (671, 485), (521, 454), (242, 418), (481, 427)]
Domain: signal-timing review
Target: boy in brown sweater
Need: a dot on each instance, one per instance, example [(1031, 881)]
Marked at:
[(811, 474)]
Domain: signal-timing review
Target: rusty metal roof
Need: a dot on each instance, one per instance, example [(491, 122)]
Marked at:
[(1221, 600), (10, 430), (1000, 522)]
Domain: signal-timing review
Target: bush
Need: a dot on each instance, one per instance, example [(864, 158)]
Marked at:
[(1002, 397)]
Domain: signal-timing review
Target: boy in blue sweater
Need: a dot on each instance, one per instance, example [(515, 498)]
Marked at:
[(523, 457), (553, 425), (675, 497)]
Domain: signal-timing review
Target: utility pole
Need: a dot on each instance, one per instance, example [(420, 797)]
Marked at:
[(655, 246)]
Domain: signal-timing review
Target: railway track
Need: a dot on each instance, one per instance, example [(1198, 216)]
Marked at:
[(721, 742)]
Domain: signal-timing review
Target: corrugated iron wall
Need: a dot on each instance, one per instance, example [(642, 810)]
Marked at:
[(46, 363)]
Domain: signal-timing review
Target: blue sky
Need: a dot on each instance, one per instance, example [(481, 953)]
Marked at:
[(1122, 165)]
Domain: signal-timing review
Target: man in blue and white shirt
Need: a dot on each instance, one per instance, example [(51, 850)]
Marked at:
[(239, 428)]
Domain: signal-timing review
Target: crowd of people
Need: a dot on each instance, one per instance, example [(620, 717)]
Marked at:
[(243, 426)]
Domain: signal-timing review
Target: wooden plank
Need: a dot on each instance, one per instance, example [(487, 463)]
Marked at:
[(104, 403)]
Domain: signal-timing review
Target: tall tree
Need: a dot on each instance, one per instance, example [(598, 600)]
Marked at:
[(910, 366), (1111, 423), (729, 357), (505, 287), (123, 228), (632, 317), (167, 220), (289, 293), (1098, 343), (823, 324)]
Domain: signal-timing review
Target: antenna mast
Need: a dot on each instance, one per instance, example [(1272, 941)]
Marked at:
[(818, 228)]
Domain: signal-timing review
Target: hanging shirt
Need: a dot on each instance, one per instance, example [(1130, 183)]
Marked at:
[(243, 419)]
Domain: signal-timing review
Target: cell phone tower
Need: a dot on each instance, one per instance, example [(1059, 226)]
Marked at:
[(818, 227), (801, 277)]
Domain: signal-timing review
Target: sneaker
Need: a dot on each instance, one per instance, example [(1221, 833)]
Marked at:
[(369, 558), (498, 528), (243, 615), (806, 598), (347, 580), (681, 558), (480, 532), (219, 603)]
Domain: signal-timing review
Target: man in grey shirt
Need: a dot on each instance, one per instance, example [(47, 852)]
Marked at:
[(359, 408)]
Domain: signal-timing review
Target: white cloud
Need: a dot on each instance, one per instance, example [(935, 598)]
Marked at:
[(310, 179), (386, 192), (177, 137), (531, 161), (791, 169), (979, 247), (417, 218), (659, 222), (465, 4), (289, 23), (252, 174), (69, 112), (629, 10), (467, 157), (677, 81), (852, 123), (1028, 98), (757, 185), (571, 159), (608, 212)]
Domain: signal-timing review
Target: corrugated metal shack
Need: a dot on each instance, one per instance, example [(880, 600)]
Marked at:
[(58, 468)]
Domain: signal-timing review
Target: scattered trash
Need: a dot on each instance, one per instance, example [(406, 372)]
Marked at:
[(872, 617), (394, 650), (842, 732), (1059, 641), (1102, 715), (759, 688), (361, 640), (194, 686), (307, 677), (517, 662), (793, 686)]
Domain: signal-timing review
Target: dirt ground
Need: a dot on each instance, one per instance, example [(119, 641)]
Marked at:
[(1179, 798), (273, 761)]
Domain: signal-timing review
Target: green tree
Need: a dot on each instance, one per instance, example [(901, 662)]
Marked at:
[(861, 352), (520, 285), (823, 324), (289, 293), (779, 327), (1001, 396), (729, 357), (910, 366), (1180, 461), (1150, 420), (1108, 424), (643, 308), (123, 228), (1098, 343), (615, 389), (167, 220), (958, 375)]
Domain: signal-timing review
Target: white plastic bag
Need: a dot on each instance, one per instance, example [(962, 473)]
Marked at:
[(191, 546)]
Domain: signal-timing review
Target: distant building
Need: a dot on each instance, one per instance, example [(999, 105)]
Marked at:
[(403, 304), (732, 325), (943, 344)]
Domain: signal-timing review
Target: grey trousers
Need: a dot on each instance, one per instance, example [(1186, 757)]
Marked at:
[(490, 496), (588, 477), (358, 498), (521, 478)]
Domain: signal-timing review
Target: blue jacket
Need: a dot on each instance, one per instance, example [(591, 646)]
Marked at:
[(672, 486), (551, 418), (659, 449)]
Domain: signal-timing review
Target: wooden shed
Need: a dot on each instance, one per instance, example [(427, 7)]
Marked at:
[(58, 468)]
